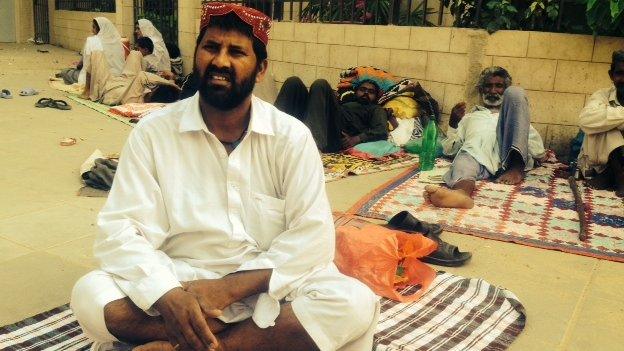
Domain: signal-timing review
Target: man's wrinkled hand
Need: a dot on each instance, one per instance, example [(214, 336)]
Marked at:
[(349, 141), (457, 113), (184, 321)]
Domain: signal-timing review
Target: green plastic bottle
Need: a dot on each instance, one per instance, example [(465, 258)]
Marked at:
[(428, 150)]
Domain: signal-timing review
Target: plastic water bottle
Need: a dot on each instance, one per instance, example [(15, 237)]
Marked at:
[(428, 149)]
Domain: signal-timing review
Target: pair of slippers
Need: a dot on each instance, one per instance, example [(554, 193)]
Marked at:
[(6, 94), (445, 255), (48, 102)]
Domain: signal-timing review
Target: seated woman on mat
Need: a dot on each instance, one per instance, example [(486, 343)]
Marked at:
[(159, 59), (133, 85), (105, 38)]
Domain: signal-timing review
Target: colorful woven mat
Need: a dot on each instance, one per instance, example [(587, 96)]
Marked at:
[(539, 212), (338, 166), (456, 313)]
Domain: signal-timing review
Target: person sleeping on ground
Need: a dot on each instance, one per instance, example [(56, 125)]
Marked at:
[(105, 38), (601, 159), (336, 124), (493, 140), (217, 233), (159, 58), (133, 85)]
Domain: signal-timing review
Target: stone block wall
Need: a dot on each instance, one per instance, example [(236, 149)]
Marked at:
[(70, 29), (558, 71)]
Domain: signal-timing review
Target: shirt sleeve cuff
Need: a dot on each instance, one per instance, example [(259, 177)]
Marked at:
[(148, 290)]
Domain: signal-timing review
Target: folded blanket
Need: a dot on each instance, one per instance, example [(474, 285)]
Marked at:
[(375, 150), (136, 109)]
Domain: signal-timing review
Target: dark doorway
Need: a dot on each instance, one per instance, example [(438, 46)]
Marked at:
[(162, 13), (42, 21)]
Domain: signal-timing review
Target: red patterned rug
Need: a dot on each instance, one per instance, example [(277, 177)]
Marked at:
[(539, 212)]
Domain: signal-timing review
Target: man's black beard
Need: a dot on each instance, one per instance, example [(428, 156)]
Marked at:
[(223, 98), (363, 100)]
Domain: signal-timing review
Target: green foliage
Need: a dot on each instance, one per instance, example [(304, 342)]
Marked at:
[(604, 17), (364, 12)]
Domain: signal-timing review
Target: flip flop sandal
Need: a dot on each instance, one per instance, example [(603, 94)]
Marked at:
[(59, 104), (43, 102), (28, 92), (5, 94), (406, 222), (447, 255)]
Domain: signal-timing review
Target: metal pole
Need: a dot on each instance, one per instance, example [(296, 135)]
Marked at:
[(440, 13), (424, 22), (560, 14), (478, 14)]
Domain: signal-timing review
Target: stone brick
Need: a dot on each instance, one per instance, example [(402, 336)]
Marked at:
[(332, 75), (446, 67), (275, 50), (460, 39), (331, 34), (342, 57), (306, 32), (542, 129), (558, 139), (561, 46), (283, 31), (581, 77), (392, 37), (453, 94), (281, 70), (359, 35), (306, 73), (186, 19), (408, 63), (435, 89), (604, 47), (187, 43), (555, 108), (534, 74), (294, 52), (508, 43), (317, 54), (375, 57), (430, 39)]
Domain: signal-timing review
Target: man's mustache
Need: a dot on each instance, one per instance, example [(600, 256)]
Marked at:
[(493, 97)]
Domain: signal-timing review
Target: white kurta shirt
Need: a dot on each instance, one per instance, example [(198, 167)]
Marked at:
[(179, 203), (477, 135)]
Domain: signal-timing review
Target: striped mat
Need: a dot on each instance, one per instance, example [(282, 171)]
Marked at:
[(455, 314)]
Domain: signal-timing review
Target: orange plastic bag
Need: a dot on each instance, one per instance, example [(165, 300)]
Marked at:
[(384, 259)]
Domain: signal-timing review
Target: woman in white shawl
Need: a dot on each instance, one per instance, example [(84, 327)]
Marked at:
[(159, 59), (106, 38)]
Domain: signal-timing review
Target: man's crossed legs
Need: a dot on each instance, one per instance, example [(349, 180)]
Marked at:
[(329, 311)]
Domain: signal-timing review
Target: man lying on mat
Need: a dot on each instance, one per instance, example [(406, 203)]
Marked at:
[(495, 139), (602, 120), (336, 124), (217, 233)]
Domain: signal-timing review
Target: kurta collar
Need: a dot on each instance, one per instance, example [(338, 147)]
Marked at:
[(192, 118), (613, 97)]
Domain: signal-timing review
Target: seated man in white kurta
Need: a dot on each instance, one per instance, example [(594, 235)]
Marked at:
[(217, 233)]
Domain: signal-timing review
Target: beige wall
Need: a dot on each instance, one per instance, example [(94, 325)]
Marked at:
[(69, 29), (559, 71), (24, 20)]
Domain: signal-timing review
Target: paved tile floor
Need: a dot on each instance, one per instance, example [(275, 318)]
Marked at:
[(46, 231)]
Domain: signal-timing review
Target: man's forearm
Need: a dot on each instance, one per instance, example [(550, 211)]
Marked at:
[(247, 283)]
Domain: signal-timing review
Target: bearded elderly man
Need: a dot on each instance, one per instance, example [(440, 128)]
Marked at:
[(217, 233), (495, 139)]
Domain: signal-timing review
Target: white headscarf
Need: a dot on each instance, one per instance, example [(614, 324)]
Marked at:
[(111, 45), (160, 50)]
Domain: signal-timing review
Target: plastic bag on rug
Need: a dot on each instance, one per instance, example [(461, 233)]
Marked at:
[(384, 259)]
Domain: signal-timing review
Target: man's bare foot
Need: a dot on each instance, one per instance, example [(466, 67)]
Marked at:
[(155, 346), (511, 176), (443, 197)]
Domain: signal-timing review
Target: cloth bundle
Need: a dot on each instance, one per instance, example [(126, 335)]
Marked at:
[(353, 77), (98, 171)]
